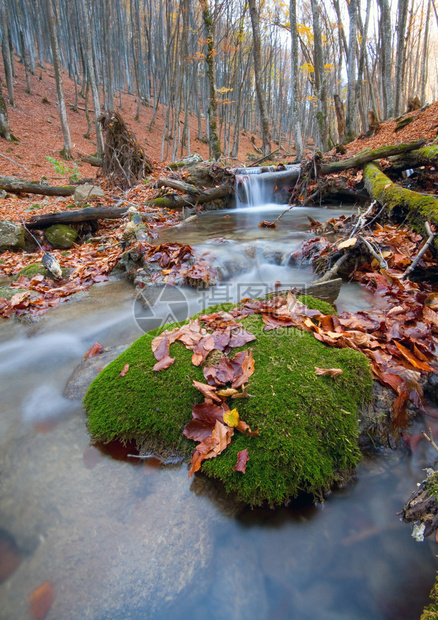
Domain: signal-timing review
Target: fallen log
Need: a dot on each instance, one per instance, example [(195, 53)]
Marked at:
[(400, 202), (40, 222), (176, 201), (23, 186), (369, 155), (179, 185), (422, 508), (427, 156)]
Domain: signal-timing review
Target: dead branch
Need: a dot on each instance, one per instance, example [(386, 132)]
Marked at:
[(416, 260)]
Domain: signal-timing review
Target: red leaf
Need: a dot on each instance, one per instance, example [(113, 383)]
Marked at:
[(198, 430), (94, 350), (209, 412), (124, 371), (242, 460)]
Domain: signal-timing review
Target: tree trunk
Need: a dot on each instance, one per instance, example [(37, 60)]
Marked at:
[(5, 132), (215, 146), (299, 149), (340, 117), (400, 58), (320, 81), (91, 74), (18, 186), (257, 53), (351, 67), (67, 151), (386, 56), (7, 61)]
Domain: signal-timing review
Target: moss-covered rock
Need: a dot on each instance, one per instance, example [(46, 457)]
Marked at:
[(307, 423), (32, 269), (61, 236), (7, 292)]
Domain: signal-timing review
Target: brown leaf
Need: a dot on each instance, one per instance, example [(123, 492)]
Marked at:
[(208, 390), (94, 350), (245, 367), (242, 460), (222, 373), (198, 430), (164, 363), (202, 349), (41, 600), (211, 446), (124, 371), (209, 412), (333, 372), (244, 428)]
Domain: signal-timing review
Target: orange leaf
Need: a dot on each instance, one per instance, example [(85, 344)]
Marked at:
[(124, 371), (94, 350), (41, 600), (208, 390)]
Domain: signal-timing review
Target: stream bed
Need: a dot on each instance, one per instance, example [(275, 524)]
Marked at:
[(115, 537)]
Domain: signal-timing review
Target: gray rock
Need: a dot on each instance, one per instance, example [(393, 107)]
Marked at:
[(86, 192), (12, 236), (61, 236), (88, 370)]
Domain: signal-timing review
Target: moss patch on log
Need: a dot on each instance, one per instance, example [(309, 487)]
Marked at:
[(307, 423), (418, 208)]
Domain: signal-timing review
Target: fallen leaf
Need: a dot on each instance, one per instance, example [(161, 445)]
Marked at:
[(41, 600), (211, 446), (124, 371), (94, 350), (348, 243), (164, 363), (231, 417), (208, 390), (242, 460), (333, 372), (243, 427)]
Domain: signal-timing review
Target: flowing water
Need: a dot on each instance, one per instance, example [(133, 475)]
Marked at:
[(114, 537)]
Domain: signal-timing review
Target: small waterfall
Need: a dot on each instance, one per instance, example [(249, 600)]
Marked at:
[(256, 187)]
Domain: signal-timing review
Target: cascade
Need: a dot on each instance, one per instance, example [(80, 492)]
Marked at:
[(256, 187)]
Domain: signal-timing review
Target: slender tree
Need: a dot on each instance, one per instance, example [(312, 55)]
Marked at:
[(299, 150), (261, 99), (215, 147), (67, 150)]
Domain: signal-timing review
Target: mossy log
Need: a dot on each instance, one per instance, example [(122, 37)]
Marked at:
[(176, 201), (369, 155), (307, 424), (179, 185), (400, 202), (426, 156), (23, 186)]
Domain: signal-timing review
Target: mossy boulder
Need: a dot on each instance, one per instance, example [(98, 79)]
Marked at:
[(307, 424), (32, 269), (61, 236)]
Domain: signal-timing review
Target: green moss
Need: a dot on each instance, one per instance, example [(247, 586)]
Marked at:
[(317, 304), (7, 292), (431, 611), (61, 236), (307, 423), (32, 269), (419, 208)]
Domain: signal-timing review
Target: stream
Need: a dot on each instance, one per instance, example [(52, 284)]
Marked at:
[(115, 537)]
